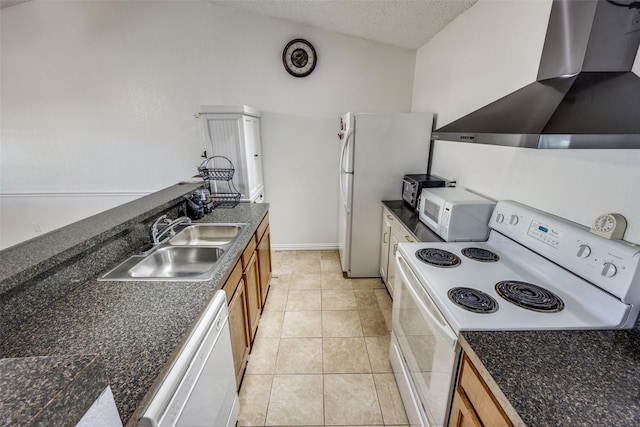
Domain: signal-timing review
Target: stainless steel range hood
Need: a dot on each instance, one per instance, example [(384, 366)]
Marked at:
[(585, 95)]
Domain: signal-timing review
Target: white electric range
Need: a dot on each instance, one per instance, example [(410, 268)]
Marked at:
[(536, 271)]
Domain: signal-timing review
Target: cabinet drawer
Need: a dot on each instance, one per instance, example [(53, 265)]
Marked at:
[(263, 227), (481, 398), (232, 282), (249, 250)]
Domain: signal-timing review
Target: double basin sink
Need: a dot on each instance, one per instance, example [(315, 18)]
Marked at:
[(192, 254)]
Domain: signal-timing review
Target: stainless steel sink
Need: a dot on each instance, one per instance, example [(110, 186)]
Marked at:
[(193, 254), (177, 261), (171, 263), (206, 234)]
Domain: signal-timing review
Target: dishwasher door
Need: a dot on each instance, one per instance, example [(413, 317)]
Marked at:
[(200, 388)]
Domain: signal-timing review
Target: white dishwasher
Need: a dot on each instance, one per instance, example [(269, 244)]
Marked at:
[(200, 387)]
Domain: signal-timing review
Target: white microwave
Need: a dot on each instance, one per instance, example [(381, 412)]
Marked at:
[(455, 214)]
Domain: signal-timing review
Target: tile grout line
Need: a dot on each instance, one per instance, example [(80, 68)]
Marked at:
[(323, 372)]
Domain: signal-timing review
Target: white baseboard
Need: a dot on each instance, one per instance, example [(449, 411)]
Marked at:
[(304, 247)]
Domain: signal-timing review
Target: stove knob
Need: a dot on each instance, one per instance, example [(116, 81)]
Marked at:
[(609, 269), (513, 220), (584, 251), (499, 218)]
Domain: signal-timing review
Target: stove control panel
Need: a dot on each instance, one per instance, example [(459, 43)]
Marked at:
[(613, 265), (545, 233)]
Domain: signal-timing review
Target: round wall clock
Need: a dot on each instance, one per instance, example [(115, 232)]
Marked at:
[(299, 58)]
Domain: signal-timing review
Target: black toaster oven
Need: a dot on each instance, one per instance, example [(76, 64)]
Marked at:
[(413, 184)]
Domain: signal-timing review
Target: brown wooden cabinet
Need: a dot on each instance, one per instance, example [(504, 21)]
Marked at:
[(473, 403), (246, 290), (252, 297), (462, 412), (238, 330), (234, 288), (264, 263)]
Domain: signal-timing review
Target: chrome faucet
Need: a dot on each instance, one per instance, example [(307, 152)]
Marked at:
[(158, 234)]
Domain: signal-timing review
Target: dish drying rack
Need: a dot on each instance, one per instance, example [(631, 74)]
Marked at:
[(220, 170)]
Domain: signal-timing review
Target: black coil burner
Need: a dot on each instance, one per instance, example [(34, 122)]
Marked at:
[(473, 300), (529, 296), (479, 254), (438, 257)]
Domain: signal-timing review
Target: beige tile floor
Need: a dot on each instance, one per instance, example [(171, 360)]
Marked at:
[(321, 354)]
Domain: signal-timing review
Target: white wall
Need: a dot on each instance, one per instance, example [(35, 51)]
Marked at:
[(98, 97), (489, 51)]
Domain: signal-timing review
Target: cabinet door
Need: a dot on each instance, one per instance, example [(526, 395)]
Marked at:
[(228, 135), (391, 272), (238, 328), (462, 413), (485, 405), (252, 284), (385, 238), (253, 151), (264, 264)]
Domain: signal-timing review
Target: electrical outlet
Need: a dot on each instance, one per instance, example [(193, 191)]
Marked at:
[(634, 22)]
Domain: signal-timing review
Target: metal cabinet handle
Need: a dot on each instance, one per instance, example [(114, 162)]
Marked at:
[(390, 217), (409, 239), (385, 238), (395, 248)]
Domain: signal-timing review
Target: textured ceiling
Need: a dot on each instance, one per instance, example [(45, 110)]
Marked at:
[(404, 23), (7, 3)]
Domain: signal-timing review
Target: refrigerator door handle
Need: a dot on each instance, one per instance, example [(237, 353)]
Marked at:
[(343, 191), (345, 145)]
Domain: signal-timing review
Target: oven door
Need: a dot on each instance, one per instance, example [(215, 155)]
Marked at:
[(427, 348)]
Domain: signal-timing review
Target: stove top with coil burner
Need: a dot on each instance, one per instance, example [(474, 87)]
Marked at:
[(480, 254), (527, 246), (438, 257), (473, 300), (529, 296)]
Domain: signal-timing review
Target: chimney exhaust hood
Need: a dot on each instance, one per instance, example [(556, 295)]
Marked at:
[(585, 94)]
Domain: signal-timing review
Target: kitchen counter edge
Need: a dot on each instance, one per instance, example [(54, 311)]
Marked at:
[(409, 218)]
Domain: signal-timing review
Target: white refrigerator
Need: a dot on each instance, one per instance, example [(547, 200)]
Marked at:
[(377, 150)]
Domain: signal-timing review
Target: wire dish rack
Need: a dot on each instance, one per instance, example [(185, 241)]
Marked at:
[(216, 168), (220, 170)]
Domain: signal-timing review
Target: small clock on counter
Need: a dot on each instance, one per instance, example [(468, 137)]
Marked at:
[(610, 226), (299, 58)]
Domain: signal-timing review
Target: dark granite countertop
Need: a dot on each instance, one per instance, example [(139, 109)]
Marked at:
[(409, 218), (561, 378), (27, 259), (137, 328), (48, 390)]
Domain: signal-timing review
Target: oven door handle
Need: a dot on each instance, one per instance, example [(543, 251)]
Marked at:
[(426, 302)]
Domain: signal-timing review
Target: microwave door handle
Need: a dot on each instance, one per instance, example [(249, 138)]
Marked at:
[(426, 304)]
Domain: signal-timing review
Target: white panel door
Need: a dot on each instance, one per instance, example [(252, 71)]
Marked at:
[(254, 155), (225, 137)]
